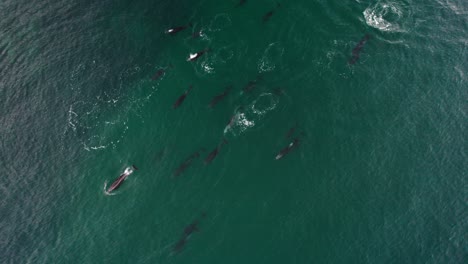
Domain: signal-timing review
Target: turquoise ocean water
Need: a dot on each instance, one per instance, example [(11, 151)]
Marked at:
[(378, 176)]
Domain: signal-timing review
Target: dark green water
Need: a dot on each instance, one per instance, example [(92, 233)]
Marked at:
[(379, 175)]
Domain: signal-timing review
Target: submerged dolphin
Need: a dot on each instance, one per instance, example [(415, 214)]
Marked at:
[(195, 56), (287, 149), (159, 73), (291, 131), (241, 3), (181, 98), (357, 49), (214, 152), (175, 30), (188, 231), (219, 97), (180, 244), (186, 163), (116, 184), (268, 15), (250, 86)]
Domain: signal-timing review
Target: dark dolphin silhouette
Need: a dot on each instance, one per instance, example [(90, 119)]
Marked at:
[(270, 13), (357, 49), (214, 152), (291, 130), (267, 16), (188, 231), (241, 3), (175, 30), (250, 86), (181, 99), (287, 149), (159, 73), (187, 162), (180, 245), (220, 97)]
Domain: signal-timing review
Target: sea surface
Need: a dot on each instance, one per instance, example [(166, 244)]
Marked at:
[(374, 94)]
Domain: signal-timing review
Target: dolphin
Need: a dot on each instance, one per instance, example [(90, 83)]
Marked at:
[(192, 228), (250, 86), (181, 98), (278, 91), (241, 3), (195, 56), (214, 152), (180, 245), (268, 15), (287, 149), (159, 73), (116, 184), (219, 97), (357, 49), (186, 163), (291, 131), (188, 231), (175, 30)]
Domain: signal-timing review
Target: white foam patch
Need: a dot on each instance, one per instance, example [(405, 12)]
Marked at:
[(207, 67), (244, 122), (239, 124), (252, 114), (383, 16)]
